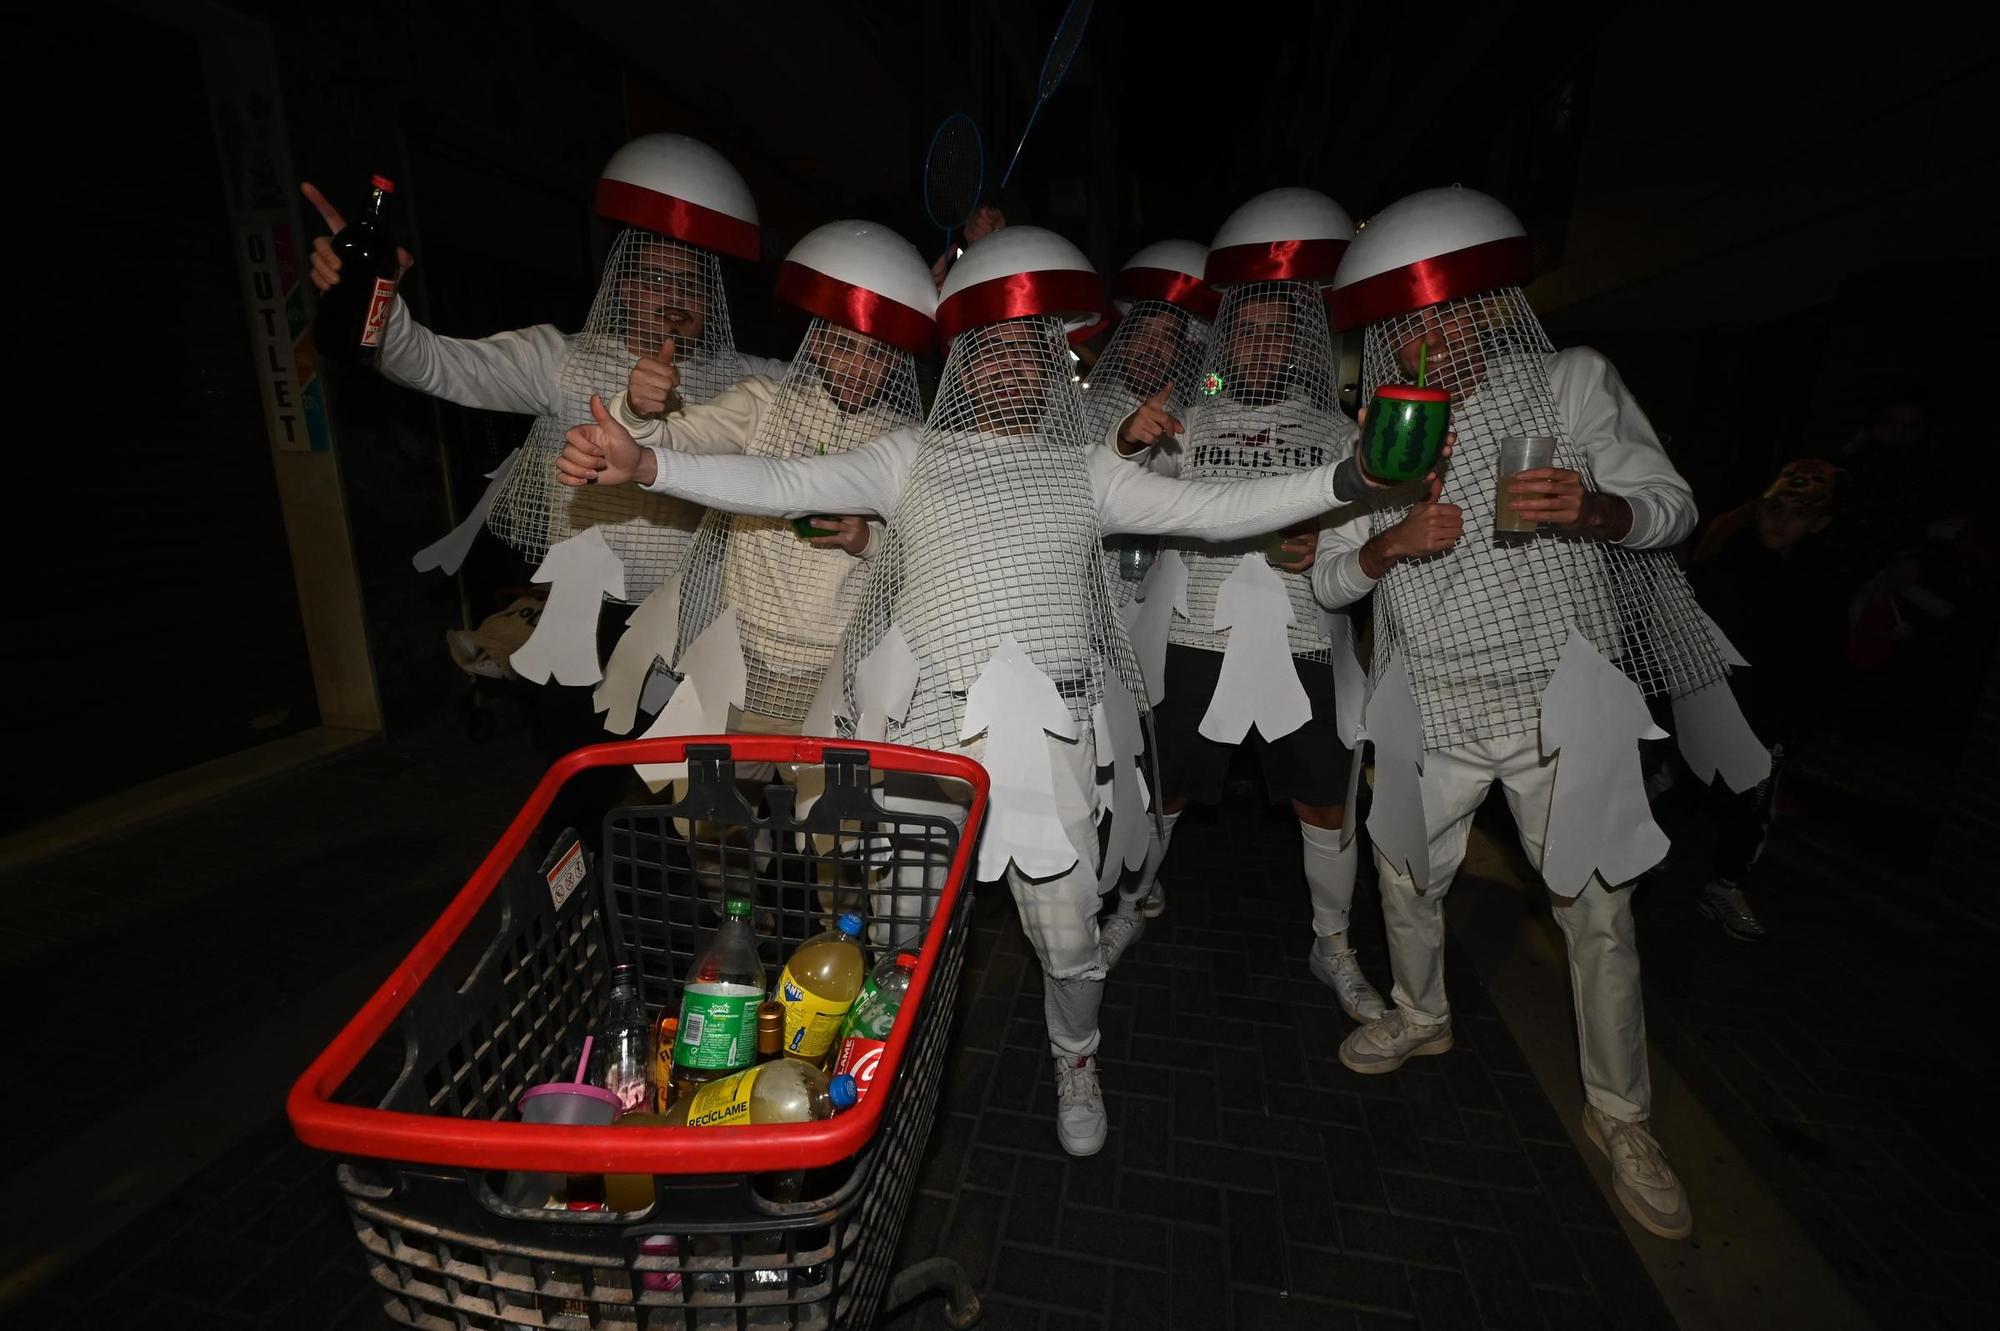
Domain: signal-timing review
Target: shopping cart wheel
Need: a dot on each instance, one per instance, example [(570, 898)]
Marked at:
[(937, 1275)]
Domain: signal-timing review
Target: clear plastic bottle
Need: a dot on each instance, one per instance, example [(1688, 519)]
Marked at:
[(621, 1054), (718, 1022), (819, 985)]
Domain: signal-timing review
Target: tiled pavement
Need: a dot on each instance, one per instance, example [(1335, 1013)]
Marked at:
[(1250, 1181), (1841, 1057)]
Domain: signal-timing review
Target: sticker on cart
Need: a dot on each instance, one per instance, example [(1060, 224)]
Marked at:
[(568, 875)]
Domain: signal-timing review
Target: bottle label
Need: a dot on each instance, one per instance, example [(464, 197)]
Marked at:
[(718, 1027), (859, 1057), (663, 1056), (868, 991), (378, 317), (811, 1022), (721, 1104)]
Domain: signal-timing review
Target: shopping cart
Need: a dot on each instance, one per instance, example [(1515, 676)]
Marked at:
[(791, 1225)]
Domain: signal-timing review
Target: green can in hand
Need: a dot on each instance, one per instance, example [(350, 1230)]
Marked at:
[(1405, 432), (803, 527)]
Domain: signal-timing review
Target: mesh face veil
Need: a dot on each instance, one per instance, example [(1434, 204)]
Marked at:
[(1481, 626), (793, 599), (996, 534), (653, 288), (1264, 406), (1158, 343)]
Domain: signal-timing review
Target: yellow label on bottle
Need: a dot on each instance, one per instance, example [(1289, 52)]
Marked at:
[(722, 1104), (811, 1022)]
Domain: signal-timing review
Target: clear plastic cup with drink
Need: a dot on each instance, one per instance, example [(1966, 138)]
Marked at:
[(1518, 454)]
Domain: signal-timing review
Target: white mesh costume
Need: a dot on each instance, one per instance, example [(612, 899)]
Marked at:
[(995, 509), (649, 284), (793, 599), (1266, 407), (996, 534), (967, 569), (1482, 625), (1479, 629), (1155, 344)]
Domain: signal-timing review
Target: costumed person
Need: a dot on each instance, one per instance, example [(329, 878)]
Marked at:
[(1521, 649), (787, 591), (681, 209), (752, 620), (1253, 658), (986, 627), (1153, 358)]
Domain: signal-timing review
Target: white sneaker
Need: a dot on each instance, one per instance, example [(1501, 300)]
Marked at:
[(1385, 1045), (1081, 1123), (1154, 903), (1728, 907), (1640, 1175), (1334, 962), (1116, 934)]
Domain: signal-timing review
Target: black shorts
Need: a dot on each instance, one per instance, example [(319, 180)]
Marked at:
[(1309, 765)]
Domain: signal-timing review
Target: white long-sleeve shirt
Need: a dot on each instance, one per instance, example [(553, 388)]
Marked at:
[(870, 480), (792, 599), (728, 422), (519, 370)]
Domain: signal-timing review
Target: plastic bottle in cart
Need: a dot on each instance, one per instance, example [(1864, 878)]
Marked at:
[(781, 1091), (623, 1050), (889, 970), (718, 1021), (866, 1031), (819, 986)]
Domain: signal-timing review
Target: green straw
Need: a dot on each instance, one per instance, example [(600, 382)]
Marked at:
[(1423, 355)]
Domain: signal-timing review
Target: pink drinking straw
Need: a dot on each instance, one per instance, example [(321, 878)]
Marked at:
[(583, 1064)]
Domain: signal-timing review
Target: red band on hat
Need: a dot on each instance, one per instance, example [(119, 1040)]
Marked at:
[(638, 206), (850, 306), (1190, 293), (1275, 261), (1506, 262), (1021, 295)]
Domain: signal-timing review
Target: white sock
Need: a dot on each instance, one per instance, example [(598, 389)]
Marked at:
[(1329, 877), (1157, 838)]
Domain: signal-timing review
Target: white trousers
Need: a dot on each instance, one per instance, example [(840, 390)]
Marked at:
[(1596, 924), (1058, 914)]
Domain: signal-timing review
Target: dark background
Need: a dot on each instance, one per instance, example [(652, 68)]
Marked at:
[(1761, 225)]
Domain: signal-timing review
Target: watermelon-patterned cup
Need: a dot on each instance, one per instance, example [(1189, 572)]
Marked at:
[(1405, 432)]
